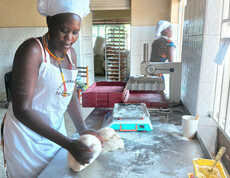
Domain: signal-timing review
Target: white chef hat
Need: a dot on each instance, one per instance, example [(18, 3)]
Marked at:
[(54, 7), (161, 26)]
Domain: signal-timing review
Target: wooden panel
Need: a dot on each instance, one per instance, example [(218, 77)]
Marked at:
[(23, 13), (109, 4)]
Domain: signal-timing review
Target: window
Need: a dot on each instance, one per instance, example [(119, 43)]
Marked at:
[(221, 110)]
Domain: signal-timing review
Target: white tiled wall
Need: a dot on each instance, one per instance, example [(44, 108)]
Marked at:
[(10, 39), (200, 44), (139, 36), (192, 54), (210, 47)]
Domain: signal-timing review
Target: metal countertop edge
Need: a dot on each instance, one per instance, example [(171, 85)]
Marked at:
[(203, 147)]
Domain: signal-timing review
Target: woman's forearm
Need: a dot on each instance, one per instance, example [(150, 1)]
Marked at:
[(171, 54), (74, 111), (33, 121)]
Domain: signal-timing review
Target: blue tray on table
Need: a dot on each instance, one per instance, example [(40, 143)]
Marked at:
[(128, 117)]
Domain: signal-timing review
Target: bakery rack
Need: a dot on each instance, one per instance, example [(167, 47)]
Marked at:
[(116, 53)]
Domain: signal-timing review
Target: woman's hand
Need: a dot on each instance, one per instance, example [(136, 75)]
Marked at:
[(94, 133), (80, 151)]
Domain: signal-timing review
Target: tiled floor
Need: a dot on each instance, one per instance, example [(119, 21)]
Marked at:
[(69, 127)]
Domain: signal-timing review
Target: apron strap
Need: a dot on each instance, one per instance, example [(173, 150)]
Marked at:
[(2, 138), (43, 53)]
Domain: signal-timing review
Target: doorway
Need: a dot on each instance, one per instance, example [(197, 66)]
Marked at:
[(111, 44)]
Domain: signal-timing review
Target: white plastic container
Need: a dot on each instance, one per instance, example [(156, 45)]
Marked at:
[(189, 126)]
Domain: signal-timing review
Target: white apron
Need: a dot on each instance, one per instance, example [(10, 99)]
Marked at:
[(26, 152)]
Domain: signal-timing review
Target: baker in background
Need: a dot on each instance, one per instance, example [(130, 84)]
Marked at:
[(43, 88), (99, 56), (163, 48)]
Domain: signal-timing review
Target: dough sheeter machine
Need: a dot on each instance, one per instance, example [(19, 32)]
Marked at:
[(148, 81)]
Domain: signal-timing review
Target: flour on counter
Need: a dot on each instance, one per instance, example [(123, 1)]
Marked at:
[(155, 148)]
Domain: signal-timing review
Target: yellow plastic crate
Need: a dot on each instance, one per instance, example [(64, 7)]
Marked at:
[(202, 163)]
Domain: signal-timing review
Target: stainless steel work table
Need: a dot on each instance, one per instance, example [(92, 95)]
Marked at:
[(161, 153)]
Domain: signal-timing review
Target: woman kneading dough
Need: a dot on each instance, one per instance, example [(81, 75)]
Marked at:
[(43, 88)]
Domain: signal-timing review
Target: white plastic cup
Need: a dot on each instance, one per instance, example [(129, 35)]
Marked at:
[(189, 126)]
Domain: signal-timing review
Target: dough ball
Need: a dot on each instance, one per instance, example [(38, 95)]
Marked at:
[(90, 141), (107, 132), (112, 140), (110, 146)]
